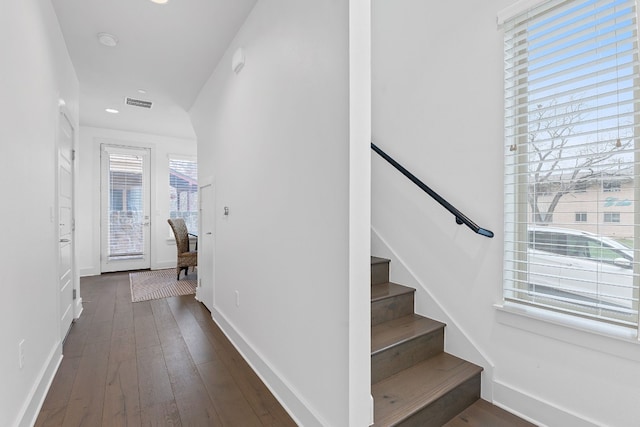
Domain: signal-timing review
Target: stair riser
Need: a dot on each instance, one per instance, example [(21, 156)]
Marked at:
[(391, 308), (447, 407), (379, 273), (406, 354)]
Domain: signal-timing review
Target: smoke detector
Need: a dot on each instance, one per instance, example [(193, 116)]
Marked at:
[(107, 39)]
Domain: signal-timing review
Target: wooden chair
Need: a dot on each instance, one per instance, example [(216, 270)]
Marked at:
[(186, 258)]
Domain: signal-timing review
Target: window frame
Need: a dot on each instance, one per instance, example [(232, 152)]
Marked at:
[(182, 158), (581, 217), (611, 217), (519, 227)]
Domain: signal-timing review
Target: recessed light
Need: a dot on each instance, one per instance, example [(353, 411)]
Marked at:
[(107, 39), (111, 110), (160, 1), (142, 91)]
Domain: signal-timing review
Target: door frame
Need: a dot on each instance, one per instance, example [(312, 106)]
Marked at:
[(207, 297), (136, 264)]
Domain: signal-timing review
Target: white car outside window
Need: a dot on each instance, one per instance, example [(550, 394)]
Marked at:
[(565, 261)]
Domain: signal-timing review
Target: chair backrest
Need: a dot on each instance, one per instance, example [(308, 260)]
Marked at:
[(181, 234)]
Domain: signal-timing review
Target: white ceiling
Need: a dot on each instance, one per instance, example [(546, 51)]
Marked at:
[(167, 50)]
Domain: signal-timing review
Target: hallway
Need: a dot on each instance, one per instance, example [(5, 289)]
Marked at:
[(162, 362)]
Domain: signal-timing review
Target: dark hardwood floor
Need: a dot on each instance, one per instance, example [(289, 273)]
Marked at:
[(154, 363)]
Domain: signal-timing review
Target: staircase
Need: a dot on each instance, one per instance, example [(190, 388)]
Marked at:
[(413, 381)]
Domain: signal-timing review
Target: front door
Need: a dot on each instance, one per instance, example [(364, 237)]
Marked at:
[(125, 208)]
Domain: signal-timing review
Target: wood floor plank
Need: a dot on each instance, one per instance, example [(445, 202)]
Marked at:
[(190, 393), (153, 378), (122, 400), (145, 326), (264, 404), (261, 400), (87, 395), (55, 404), (227, 397), (77, 337), (153, 363), (51, 417), (100, 331), (199, 346)]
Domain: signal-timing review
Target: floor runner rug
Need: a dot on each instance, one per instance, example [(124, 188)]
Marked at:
[(156, 284)]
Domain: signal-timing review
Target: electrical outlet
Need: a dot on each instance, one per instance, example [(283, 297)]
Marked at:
[(21, 353), (237, 298)]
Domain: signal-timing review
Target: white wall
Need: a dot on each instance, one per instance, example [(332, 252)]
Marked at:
[(163, 248), (36, 72), (438, 108), (276, 140)]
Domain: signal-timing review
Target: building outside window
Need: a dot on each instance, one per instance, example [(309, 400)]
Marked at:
[(183, 191), (611, 186), (571, 87)]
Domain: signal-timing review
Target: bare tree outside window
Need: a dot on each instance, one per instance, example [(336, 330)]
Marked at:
[(561, 163)]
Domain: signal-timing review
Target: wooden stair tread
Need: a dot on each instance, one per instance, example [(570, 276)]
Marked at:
[(378, 260), (388, 290), (484, 414), (387, 334), (407, 392)]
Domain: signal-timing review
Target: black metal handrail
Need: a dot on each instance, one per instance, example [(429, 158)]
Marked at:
[(460, 217)]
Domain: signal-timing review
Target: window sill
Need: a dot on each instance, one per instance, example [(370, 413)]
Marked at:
[(598, 336)]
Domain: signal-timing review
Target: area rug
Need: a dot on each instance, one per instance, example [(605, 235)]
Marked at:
[(156, 284)]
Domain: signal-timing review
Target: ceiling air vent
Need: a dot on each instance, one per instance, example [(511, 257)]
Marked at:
[(138, 102)]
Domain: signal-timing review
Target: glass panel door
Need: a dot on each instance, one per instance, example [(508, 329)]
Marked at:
[(125, 208)]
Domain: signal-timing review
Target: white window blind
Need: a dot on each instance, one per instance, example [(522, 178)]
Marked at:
[(183, 192), (126, 205), (571, 126)]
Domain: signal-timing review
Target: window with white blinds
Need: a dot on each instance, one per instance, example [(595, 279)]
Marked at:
[(571, 168), (183, 192)]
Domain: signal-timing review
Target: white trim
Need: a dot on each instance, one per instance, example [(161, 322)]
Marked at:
[(359, 232), (165, 264), (300, 410), (78, 308), (33, 403), (595, 335), (89, 271), (182, 157), (508, 397), (516, 9)]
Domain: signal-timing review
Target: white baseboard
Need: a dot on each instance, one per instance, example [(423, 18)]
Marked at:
[(286, 394), (78, 308), (35, 399), (519, 402), (164, 265), (89, 271)]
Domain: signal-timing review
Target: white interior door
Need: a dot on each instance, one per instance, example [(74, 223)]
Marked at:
[(125, 209), (206, 246), (66, 225)]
